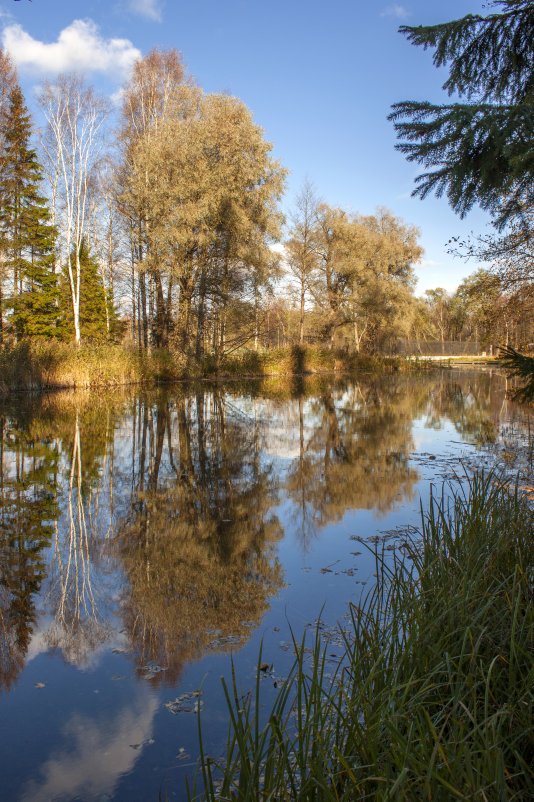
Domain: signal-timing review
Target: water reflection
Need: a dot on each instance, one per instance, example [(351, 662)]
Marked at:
[(100, 750), (472, 405), (28, 509), (357, 452), (197, 545), (150, 521)]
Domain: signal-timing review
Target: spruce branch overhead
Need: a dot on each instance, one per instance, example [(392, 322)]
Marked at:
[(521, 366), (479, 150)]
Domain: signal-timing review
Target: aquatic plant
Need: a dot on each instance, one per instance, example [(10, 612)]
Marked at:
[(433, 697)]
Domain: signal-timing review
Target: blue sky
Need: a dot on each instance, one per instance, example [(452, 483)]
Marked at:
[(319, 77)]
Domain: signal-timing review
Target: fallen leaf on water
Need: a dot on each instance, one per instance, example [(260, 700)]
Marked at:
[(185, 703)]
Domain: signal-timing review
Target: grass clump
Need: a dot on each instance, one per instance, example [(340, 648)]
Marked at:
[(302, 360), (40, 364), (433, 699), (48, 364)]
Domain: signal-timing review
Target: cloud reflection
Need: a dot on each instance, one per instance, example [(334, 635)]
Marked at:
[(97, 753)]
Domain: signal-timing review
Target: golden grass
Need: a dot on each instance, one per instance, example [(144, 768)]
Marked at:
[(39, 365)]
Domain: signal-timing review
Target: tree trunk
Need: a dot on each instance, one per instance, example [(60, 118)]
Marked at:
[(199, 349), (302, 298), (142, 312), (76, 299), (134, 320), (160, 309)]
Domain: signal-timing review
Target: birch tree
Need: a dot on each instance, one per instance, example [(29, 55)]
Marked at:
[(301, 247), (75, 117)]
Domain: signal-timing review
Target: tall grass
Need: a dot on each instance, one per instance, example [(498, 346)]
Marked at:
[(46, 364), (433, 699), (37, 365), (298, 360)]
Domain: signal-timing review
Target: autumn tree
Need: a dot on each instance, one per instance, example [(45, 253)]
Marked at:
[(301, 250), (203, 189), (439, 304), (381, 294), (364, 278), (493, 313), (156, 92)]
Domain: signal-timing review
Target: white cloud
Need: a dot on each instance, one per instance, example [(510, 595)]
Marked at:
[(397, 11), (79, 47), (151, 9)]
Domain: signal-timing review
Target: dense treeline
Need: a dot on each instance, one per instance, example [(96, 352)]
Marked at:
[(161, 226), (481, 310)]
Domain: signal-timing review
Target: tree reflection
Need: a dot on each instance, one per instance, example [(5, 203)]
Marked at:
[(358, 454), (474, 404), (28, 507), (53, 454), (153, 514), (198, 544), (78, 628)]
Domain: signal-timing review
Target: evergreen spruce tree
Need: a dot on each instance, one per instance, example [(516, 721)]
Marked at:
[(480, 150), (27, 237), (98, 318)]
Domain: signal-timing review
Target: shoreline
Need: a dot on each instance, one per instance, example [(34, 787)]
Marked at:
[(52, 367)]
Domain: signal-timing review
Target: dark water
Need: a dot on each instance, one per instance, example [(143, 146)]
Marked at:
[(145, 537)]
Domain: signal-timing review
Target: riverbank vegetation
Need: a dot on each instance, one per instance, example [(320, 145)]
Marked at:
[(433, 695), (41, 365), (172, 240)]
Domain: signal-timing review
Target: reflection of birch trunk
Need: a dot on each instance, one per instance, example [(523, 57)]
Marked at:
[(76, 585), (77, 629)]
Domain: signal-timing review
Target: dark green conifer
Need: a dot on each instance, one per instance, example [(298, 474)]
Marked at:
[(28, 507), (28, 238), (98, 318), (480, 150)]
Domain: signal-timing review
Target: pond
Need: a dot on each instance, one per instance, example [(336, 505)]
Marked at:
[(148, 537)]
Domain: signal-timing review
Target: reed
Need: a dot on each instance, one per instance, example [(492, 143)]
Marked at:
[(39, 365), (298, 360), (34, 366), (433, 698)]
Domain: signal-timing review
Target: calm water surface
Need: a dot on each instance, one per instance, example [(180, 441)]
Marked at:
[(146, 536)]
